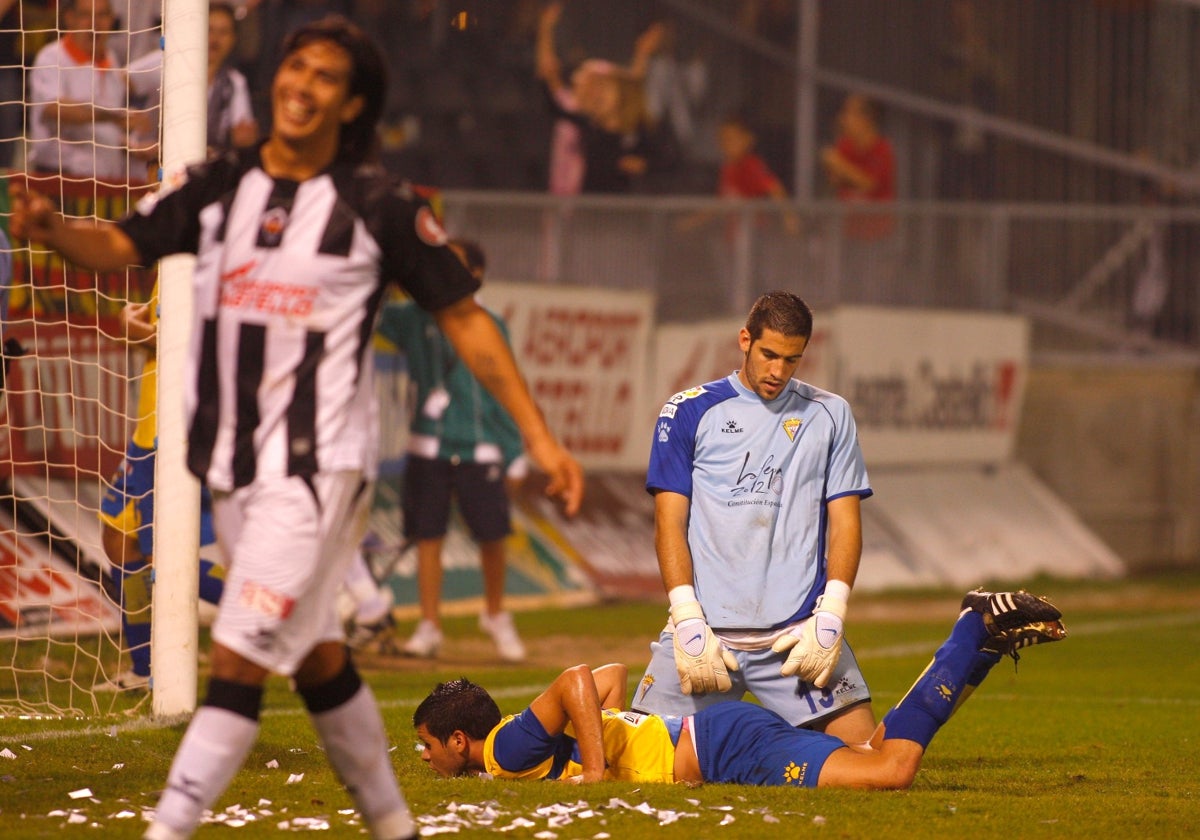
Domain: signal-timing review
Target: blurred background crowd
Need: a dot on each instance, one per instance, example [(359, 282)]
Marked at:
[(990, 102)]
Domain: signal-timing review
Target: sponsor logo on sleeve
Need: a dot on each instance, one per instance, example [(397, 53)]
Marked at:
[(690, 393)]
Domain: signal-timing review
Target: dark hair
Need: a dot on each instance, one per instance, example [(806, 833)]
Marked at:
[(368, 79), (472, 253), (457, 705), (782, 312)]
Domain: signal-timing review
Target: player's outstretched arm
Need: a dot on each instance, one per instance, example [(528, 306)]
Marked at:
[(97, 246), (573, 698), (481, 346)]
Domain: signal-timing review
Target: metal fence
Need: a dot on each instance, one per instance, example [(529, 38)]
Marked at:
[(1093, 277)]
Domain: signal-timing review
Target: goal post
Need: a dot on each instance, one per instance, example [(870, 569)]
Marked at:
[(174, 638)]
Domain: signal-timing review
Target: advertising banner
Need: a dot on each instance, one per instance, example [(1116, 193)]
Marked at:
[(932, 387), (584, 353)]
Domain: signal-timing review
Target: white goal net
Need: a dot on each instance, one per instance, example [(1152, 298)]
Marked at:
[(70, 129)]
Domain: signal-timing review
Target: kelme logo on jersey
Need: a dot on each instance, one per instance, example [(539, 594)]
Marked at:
[(794, 773), (731, 428), (664, 432), (791, 426)]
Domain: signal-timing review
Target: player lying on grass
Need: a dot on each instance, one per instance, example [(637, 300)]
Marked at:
[(575, 729)]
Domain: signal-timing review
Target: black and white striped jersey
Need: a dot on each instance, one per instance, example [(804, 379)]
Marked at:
[(288, 282)]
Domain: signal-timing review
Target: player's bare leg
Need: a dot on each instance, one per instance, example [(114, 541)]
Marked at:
[(493, 561), (347, 719), (495, 621), (429, 579), (892, 766), (427, 639), (854, 726)]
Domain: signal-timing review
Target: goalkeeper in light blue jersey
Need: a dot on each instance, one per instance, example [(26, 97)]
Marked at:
[(757, 480)]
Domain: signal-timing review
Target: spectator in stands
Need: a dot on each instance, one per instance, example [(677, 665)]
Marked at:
[(597, 144), (861, 169), (462, 445), (676, 88), (10, 80), (970, 72), (79, 117), (744, 173), (231, 122)]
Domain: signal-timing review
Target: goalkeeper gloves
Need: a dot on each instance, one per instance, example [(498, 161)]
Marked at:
[(702, 662), (816, 650)]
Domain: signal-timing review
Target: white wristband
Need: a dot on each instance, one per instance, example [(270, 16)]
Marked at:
[(838, 590), (681, 595)]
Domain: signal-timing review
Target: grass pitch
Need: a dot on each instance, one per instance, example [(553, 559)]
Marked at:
[(1093, 736)]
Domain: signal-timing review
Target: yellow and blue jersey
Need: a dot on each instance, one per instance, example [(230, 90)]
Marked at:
[(637, 748)]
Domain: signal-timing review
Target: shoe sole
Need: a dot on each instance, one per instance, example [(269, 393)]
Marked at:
[(1008, 642), (1003, 611)]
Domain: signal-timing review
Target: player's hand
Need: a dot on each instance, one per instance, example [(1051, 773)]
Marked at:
[(702, 661), (566, 476), (815, 652), (34, 216), (137, 326)]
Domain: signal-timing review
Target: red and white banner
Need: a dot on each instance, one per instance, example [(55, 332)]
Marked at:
[(41, 594), (584, 353), (67, 403)]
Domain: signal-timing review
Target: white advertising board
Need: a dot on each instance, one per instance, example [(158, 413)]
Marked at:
[(584, 353), (931, 387)]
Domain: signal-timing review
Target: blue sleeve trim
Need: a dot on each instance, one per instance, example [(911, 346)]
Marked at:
[(523, 743), (864, 493)]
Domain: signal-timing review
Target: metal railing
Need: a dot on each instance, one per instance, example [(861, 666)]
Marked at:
[(1108, 278)]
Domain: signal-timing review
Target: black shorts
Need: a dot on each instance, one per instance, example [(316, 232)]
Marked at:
[(429, 486)]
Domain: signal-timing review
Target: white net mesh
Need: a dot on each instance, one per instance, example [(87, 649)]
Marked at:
[(69, 130)]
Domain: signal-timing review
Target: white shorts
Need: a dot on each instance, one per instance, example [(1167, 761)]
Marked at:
[(289, 544)]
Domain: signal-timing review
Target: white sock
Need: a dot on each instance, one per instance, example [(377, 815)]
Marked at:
[(356, 745), (212, 751)]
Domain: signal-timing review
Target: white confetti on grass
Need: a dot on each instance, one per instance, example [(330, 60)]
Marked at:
[(9, 754)]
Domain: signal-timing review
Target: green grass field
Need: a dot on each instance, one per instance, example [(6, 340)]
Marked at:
[(1091, 737)]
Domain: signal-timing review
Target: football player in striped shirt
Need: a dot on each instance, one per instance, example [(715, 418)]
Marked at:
[(296, 241)]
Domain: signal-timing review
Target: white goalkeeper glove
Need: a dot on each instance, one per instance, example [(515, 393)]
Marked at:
[(702, 661), (816, 650)]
